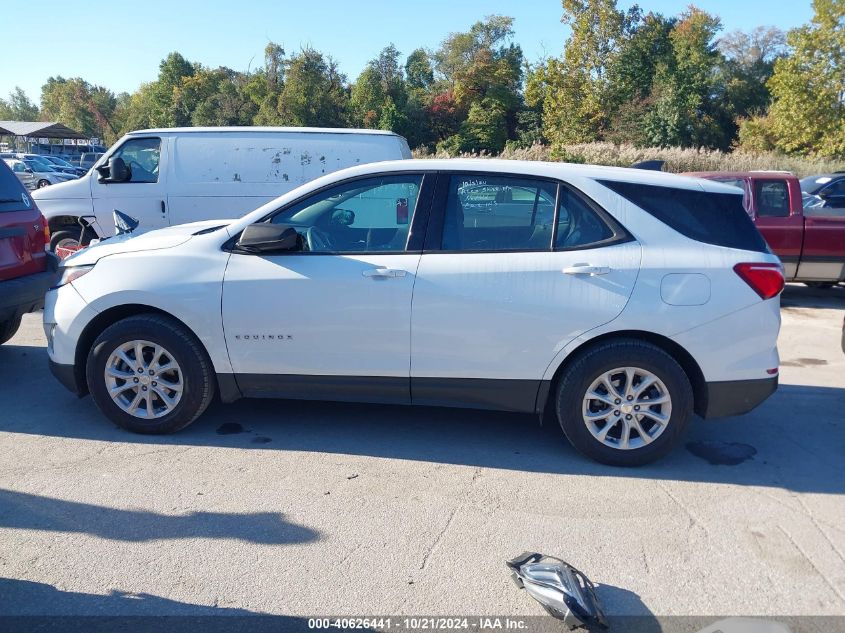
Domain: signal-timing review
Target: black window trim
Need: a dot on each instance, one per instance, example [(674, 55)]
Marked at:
[(434, 235), (416, 232)]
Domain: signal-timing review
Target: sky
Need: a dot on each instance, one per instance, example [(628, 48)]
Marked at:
[(120, 44)]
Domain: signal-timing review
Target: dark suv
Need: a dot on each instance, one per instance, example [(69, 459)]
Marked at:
[(26, 270)]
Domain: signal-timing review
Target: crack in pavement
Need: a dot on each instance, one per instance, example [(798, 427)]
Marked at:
[(433, 547)]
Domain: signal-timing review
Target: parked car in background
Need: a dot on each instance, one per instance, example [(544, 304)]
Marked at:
[(46, 175), (171, 176), (26, 270), (46, 164), (23, 173), (63, 165), (809, 242), (88, 159), (829, 187), (617, 300)]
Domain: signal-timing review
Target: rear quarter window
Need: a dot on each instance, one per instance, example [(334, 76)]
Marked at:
[(713, 218), (13, 195)]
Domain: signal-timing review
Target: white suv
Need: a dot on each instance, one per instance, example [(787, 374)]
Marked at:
[(620, 301)]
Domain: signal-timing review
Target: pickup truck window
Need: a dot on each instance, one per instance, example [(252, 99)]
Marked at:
[(772, 198), (704, 216)]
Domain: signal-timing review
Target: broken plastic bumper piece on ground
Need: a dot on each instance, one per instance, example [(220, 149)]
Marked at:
[(564, 592)]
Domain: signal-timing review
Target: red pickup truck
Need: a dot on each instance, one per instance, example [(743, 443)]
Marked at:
[(26, 270), (810, 242)]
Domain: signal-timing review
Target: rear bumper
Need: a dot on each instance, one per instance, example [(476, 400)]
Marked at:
[(736, 397), (26, 294)]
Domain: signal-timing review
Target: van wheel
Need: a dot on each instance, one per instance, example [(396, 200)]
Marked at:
[(624, 403), (70, 236), (149, 374), (9, 328)]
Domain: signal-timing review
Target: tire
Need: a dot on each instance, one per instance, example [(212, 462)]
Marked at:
[(820, 285), (572, 404), (69, 236), (42, 183), (9, 328), (193, 372)]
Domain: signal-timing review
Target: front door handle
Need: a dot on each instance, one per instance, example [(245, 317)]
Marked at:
[(384, 273), (586, 269)]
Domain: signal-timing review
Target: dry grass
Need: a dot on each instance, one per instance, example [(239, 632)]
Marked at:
[(677, 159)]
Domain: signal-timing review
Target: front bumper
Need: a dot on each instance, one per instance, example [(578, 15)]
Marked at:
[(66, 374), (26, 294), (735, 397)]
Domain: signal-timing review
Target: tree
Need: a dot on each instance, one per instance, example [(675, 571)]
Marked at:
[(18, 107), (808, 87), (685, 112), (381, 88), (480, 68), (747, 65), (314, 92), (576, 85), (419, 73), (79, 105)]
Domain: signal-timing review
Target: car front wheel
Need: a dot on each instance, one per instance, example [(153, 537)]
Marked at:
[(624, 403), (149, 374)]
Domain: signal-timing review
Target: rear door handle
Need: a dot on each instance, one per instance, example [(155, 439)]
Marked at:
[(586, 269), (384, 273)]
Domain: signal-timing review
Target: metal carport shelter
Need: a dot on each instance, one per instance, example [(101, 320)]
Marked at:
[(38, 129)]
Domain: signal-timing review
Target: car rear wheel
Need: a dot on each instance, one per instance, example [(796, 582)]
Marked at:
[(624, 403), (149, 374), (42, 183), (9, 328)]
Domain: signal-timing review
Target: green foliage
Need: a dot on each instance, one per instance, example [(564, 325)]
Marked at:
[(576, 88), (79, 105), (808, 87), (18, 107), (635, 80), (314, 92)]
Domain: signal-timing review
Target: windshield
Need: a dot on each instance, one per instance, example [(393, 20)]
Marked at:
[(36, 166)]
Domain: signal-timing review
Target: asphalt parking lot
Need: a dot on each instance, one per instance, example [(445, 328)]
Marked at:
[(296, 508)]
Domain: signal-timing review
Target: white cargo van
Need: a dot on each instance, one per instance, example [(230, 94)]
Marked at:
[(176, 175)]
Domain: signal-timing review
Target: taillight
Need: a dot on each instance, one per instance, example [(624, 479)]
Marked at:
[(46, 226), (765, 279)]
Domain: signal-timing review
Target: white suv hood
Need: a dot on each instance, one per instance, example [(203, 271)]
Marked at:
[(134, 242)]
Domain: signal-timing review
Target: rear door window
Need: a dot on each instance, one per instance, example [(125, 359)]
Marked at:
[(713, 218), (488, 212), (13, 195), (772, 198)]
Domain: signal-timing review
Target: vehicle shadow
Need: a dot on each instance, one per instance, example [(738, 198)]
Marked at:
[(20, 510), (801, 296), (794, 440), (34, 606)]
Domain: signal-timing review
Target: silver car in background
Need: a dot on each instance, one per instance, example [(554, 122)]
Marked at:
[(23, 173)]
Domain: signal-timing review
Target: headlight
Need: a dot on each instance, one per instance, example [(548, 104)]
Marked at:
[(70, 273)]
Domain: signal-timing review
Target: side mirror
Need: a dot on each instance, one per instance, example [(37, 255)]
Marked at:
[(114, 171), (269, 238), (28, 170)]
